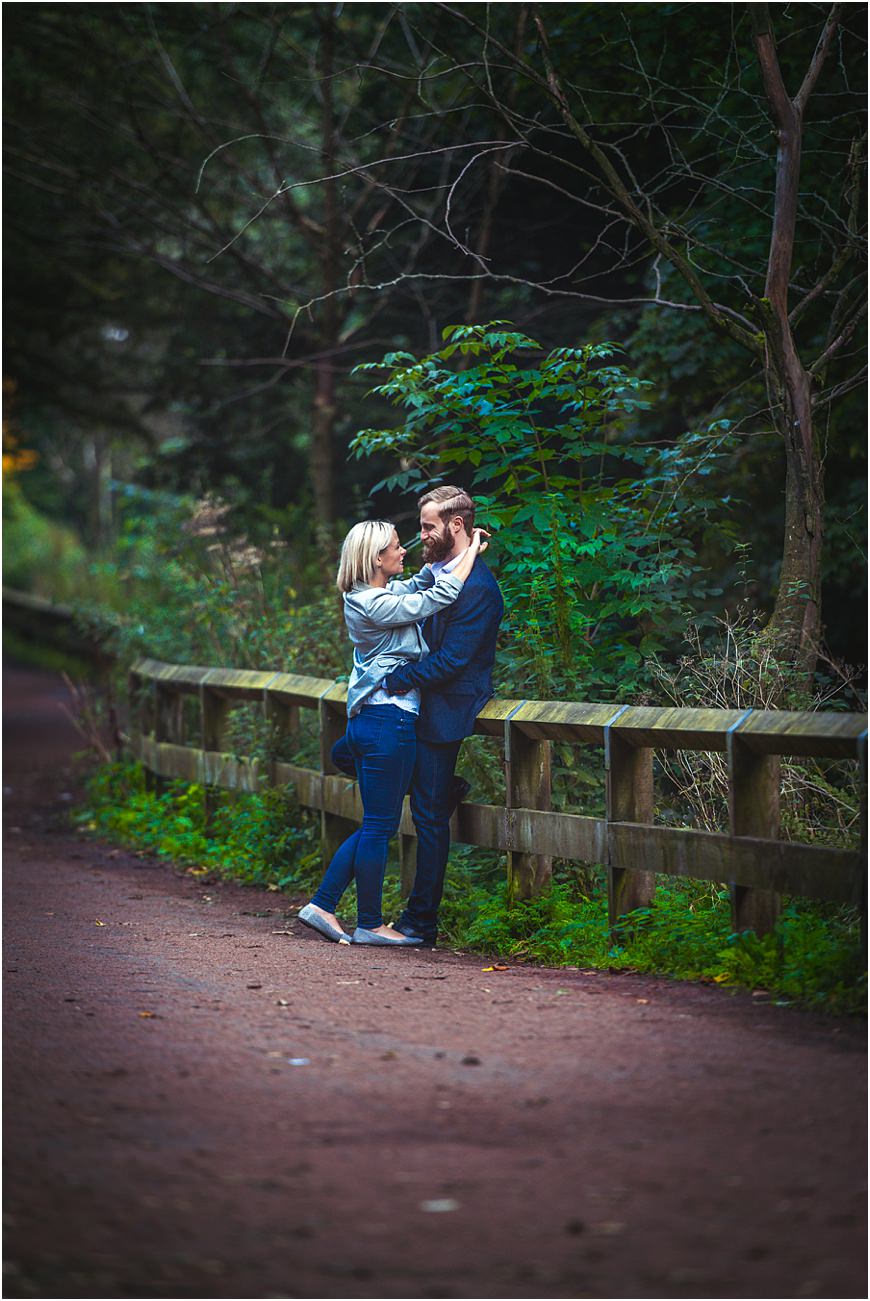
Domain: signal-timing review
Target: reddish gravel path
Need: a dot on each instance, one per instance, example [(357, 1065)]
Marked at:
[(583, 1135)]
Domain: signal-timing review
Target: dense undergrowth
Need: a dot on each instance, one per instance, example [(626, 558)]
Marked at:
[(814, 958)]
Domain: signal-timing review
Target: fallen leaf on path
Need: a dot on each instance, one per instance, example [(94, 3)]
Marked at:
[(282, 1002), (99, 923), (147, 1014), (642, 1000), (498, 966)]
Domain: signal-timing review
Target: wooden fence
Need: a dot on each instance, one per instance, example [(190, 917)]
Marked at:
[(758, 865)]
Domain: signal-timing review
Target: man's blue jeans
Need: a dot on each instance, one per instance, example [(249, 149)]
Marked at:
[(433, 798), (382, 742)]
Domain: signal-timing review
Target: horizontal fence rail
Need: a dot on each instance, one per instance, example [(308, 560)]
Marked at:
[(757, 864), (34, 619)]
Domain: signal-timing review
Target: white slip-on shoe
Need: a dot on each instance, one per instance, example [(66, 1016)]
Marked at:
[(310, 917), (362, 936)]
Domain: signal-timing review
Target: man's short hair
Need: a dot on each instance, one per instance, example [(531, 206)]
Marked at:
[(451, 501)]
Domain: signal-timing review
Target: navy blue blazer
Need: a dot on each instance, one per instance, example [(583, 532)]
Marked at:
[(456, 676)]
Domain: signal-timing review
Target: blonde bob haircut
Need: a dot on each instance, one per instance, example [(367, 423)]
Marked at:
[(360, 551)]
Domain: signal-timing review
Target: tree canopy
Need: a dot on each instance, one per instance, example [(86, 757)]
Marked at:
[(215, 212)]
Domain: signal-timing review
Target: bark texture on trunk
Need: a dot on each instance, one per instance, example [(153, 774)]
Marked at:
[(794, 628)]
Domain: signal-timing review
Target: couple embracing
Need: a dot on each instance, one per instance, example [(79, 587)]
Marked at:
[(424, 648)]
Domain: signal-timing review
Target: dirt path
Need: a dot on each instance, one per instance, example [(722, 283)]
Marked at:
[(199, 1105)]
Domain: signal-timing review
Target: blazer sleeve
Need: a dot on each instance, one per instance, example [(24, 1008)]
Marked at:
[(417, 583), (386, 609), (470, 625)]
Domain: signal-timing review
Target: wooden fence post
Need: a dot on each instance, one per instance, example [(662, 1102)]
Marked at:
[(142, 697), (283, 721), (333, 725), (407, 863), (528, 785), (213, 712), (166, 710), (753, 810), (629, 793)]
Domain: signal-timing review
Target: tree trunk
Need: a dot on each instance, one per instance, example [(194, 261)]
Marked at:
[(794, 629)]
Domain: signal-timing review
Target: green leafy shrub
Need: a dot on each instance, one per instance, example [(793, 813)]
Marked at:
[(598, 562), (260, 839), (39, 555)]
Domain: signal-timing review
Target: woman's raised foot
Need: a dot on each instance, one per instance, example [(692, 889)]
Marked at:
[(326, 923)]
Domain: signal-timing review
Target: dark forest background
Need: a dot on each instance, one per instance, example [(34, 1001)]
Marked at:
[(215, 212)]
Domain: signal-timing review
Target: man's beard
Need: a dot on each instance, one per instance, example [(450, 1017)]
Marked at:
[(437, 548)]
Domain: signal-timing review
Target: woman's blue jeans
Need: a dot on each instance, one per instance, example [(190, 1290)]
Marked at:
[(383, 742)]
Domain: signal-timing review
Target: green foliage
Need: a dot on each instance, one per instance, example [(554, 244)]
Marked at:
[(598, 533), (186, 584), (260, 839), (38, 554), (815, 956)]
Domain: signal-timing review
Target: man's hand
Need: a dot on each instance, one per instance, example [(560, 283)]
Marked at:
[(397, 690)]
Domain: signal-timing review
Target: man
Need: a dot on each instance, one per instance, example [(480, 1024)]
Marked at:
[(456, 681)]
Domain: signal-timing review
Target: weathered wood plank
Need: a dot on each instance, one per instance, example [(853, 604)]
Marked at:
[(294, 689), (528, 785), (205, 767), (806, 870), (676, 729), (334, 827), (753, 810), (629, 790), (804, 734), (831, 735), (239, 684), (490, 720), (568, 720)]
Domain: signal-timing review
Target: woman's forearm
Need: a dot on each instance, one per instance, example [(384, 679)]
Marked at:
[(466, 564)]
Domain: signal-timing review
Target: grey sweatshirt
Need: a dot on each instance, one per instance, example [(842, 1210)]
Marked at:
[(383, 625)]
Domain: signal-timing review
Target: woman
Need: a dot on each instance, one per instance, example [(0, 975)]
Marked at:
[(383, 618)]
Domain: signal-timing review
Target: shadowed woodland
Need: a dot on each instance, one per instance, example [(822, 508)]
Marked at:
[(272, 269)]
